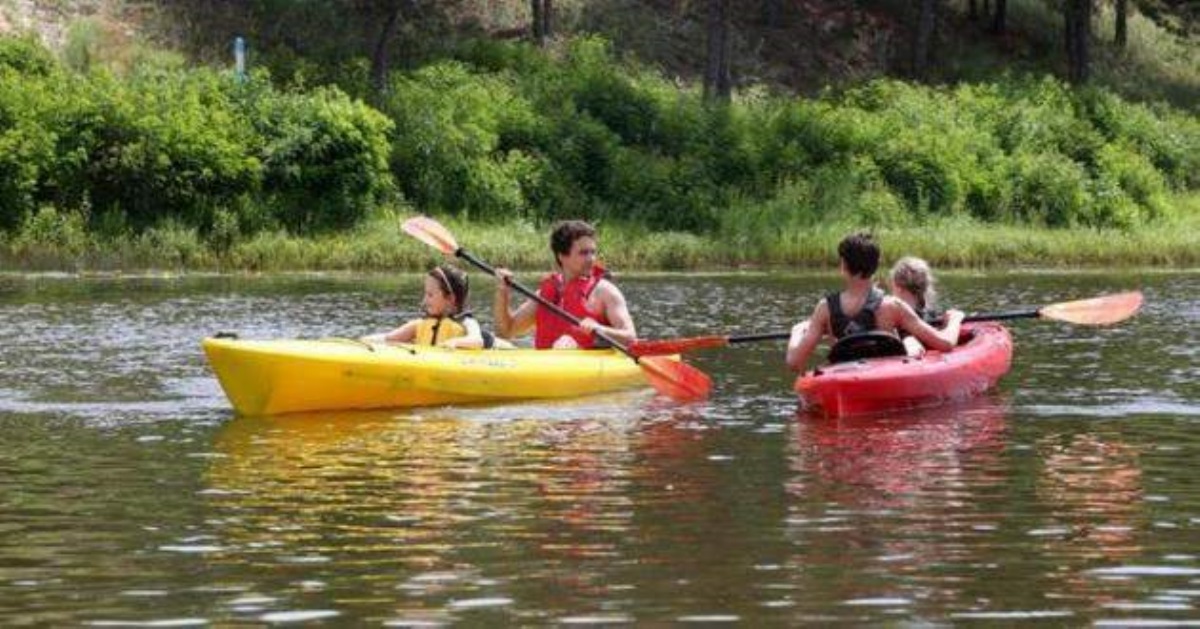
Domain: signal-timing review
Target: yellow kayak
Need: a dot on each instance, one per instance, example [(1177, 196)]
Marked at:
[(287, 376)]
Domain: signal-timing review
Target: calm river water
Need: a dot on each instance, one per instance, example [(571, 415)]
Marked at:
[(130, 494)]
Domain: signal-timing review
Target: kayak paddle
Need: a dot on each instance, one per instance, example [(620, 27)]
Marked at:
[(1103, 310), (672, 378)]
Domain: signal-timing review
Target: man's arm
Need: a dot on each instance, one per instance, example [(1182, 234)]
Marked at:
[(510, 322), (806, 336), (616, 310)]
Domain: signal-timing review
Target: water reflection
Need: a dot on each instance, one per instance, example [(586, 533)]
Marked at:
[(898, 502), (458, 515), (1093, 488), (131, 495), (885, 460), (1095, 485)]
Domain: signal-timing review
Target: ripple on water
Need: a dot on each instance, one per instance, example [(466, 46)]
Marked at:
[(1012, 615), (477, 603), (166, 622), (1145, 622), (1128, 408), (298, 615), (599, 619), (1145, 571)]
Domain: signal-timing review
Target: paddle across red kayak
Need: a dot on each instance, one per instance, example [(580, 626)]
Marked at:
[(981, 358)]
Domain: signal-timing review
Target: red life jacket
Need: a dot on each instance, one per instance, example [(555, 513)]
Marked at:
[(571, 297)]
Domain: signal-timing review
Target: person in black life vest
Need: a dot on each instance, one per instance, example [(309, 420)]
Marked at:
[(446, 321), (580, 286), (861, 307)]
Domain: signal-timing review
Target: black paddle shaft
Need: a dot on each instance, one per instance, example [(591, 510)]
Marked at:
[(542, 301), (1003, 316)]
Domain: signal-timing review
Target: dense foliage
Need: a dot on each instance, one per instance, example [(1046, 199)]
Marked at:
[(195, 147), (504, 131)]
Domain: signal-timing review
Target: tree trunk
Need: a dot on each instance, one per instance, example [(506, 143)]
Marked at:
[(718, 80), (1000, 17), (772, 13), (379, 56), (1077, 19), (973, 10), (547, 14), (537, 23), (923, 37), (1121, 33)]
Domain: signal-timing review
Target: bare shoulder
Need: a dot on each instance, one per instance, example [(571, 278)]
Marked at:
[(897, 306), (608, 291)]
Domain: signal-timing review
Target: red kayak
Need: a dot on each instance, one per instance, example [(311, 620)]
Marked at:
[(982, 356)]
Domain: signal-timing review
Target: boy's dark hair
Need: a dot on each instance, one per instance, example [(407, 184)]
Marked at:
[(453, 281), (566, 233), (860, 252)]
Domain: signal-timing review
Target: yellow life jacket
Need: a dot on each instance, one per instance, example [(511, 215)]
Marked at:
[(434, 330)]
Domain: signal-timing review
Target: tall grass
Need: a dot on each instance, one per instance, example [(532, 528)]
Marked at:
[(59, 242)]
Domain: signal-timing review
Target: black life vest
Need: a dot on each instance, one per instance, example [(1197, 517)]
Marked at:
[(863, 321)]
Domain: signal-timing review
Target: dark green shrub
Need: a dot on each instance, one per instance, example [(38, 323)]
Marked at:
[(325, 158), (26, 55), (447, 153), (1133, 173), (662, 192), (1050, 190), (166, 144)]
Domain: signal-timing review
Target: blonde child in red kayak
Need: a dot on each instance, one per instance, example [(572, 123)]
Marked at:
[(911, 281), (445, 323), (861, 307)]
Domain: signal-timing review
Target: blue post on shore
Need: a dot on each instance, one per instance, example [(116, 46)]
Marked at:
[(239, 58)]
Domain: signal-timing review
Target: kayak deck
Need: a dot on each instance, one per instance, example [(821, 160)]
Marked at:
[(268, 377), (982, 357)]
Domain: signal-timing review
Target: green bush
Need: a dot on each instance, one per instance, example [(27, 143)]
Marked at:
[(1049, 190), (324, 158), (190, 146), (26, 55), (447, 150), (27, 147), (49, 229), (167, 144)]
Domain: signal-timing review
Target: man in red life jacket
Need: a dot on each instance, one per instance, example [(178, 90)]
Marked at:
[(581, 287)]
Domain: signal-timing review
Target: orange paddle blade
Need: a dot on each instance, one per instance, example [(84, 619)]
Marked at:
[(676, 379), (667, 347), (1104, 310), (431, 233)]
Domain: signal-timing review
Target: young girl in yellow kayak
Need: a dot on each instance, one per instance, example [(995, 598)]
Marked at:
[(446, 322)]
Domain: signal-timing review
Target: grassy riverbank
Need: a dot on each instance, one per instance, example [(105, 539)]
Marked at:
[(62, 244)]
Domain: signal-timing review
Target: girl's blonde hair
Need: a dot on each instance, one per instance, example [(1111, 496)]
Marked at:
[(913, 275)]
